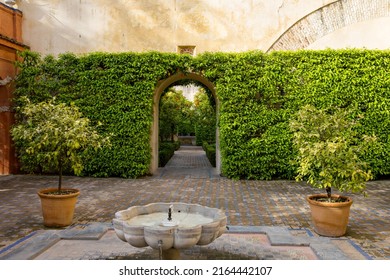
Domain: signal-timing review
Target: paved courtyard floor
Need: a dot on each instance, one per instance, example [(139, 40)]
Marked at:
[(267, 219)]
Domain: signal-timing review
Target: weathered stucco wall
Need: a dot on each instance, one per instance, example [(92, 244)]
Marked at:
[(57, 26), (371, 34), (356, 19)]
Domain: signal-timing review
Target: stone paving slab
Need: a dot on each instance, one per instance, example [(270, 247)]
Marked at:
[(92, 231), (99, 241), (30, 248)]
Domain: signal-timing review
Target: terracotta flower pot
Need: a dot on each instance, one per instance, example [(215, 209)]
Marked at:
[(329, 218), (58, 209)]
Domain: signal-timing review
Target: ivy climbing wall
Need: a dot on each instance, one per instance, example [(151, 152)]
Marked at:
[(257, 93)]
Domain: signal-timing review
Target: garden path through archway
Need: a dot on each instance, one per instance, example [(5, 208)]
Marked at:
[(159, 90)]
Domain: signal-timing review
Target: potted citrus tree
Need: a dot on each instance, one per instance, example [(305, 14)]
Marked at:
[(329, 157), (52, 137)]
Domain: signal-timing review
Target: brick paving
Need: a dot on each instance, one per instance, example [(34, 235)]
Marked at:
[(246, 203), (189, 156)]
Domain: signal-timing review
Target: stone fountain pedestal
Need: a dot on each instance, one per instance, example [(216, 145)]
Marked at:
[(169, 227)]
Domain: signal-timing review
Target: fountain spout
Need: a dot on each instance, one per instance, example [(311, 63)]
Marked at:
[(170, 213), (148, 225)]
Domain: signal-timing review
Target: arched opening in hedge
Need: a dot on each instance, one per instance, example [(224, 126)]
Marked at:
[(158, 92)]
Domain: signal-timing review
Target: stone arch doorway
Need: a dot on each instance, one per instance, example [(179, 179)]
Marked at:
[(159, 90), (328, 19)]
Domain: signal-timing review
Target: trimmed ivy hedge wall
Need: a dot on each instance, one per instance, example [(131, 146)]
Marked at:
[(113, 89), (257, 92)]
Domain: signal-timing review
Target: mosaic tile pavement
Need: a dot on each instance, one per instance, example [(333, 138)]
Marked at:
[(98, 241)]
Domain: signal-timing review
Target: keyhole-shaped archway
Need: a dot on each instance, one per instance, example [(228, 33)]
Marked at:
[(159, 90)]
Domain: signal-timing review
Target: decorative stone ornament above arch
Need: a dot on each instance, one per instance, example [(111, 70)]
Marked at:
[(328, 19)]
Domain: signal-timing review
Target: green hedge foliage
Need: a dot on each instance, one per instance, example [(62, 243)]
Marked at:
[(204, 133), (257, 93), (166, 152), (210, 151), (113, 89)]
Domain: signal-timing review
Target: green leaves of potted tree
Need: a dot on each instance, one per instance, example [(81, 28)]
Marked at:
[(329, 149), (53, 136)]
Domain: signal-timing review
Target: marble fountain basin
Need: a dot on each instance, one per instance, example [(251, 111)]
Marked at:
[(165, 226)]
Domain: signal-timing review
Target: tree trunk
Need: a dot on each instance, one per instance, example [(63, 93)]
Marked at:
[(329, 193), (60, 175)]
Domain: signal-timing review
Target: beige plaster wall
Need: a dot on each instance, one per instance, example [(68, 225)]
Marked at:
[(371, 34), (80, 26), (57, 26)]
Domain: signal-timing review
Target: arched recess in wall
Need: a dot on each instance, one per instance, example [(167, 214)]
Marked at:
[(159, 90), (328, 19)]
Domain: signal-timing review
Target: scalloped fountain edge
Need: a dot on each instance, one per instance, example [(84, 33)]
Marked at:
[(168, 237)]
